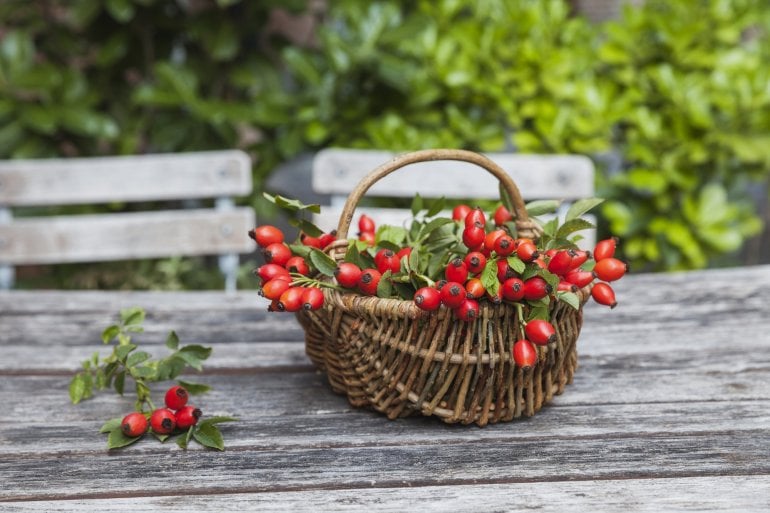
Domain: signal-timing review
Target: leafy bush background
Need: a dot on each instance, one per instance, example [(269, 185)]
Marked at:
[(674, 93)]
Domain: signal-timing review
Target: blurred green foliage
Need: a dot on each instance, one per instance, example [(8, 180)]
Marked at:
[(679, 89)]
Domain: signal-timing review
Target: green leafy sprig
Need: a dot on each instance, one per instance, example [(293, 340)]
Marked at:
[(127, 361)]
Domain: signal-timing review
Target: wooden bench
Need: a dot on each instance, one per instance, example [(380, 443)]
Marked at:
[(126, 235), (336, 172)]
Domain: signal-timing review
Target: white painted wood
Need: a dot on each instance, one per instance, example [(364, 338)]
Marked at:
[(123, 236), (124, 178), (336, 171)]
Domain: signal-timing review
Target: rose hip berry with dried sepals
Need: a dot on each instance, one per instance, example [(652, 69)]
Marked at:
[(579, 278), (312, 242), (134, 424), (366, 224), (456, 270), (367, 237), (327, 238), (163, 421), (452, 294), (524, 353), (561, 262), (473, 237), (291, 299), (460, 212), (474, 288), (187, 416), (368, 281), (176, 397), (475, 261), (491, 238), (536, 288), (312, 298), (468, 310), (476, 218), (268, 272), (512, 289), (266, 235), (387, 260), (527, 251), (275, 287), (502, 215), (297, 264), (540, 332), (278, 253), (427, 298), (347, 274), (605, 248), (504, 271), (504, 245), (603, 294), (610, 269)]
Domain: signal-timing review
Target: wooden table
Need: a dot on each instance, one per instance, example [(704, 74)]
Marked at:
[(669, 410)]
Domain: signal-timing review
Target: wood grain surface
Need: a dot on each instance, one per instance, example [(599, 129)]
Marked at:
[(669, 411)]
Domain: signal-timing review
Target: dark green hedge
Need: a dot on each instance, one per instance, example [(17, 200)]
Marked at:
[(677, 90)]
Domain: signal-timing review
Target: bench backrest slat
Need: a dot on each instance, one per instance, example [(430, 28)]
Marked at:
[(41, 182)]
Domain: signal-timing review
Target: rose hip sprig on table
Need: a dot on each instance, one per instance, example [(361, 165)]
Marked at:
[(127, 361)]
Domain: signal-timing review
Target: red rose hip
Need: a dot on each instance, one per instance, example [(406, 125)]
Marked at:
[(187, 416), (134, 424), (176, 397), (163, 421)]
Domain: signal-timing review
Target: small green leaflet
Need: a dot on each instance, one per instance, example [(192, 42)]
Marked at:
[(540, 207), (306, 227), (291, 205), (122, 351), (117, 439), (111, 425), (194, 388), (416, 204), (436, 207), (209, 435), (570, 298), (582, 206), (516, 264), (489, 277), (323, 262), (109, 333), (300, 250), (80, 388), (571, 226), (392, 234), (538, 311), (385, 287), (132, 316), (172, 341)]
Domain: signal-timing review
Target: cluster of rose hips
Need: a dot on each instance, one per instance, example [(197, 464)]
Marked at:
[(176, 415), (282, 273)]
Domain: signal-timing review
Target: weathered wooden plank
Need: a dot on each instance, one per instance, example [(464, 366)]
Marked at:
[(337, 171), (696, 494), (389, 464), (297, 409), (121, 236), (124, 178)]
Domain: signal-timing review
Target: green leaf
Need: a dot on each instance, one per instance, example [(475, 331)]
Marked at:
[(300, 250), (130, 316), (306, 227), (291, 205), (172, 341), (109, 333), (570, 298), (209, 435), (540, 207), (414, 259), (194, 388), (216, 420), (122, 351), (137, 358), (385, 287), (431, 226), (389, 233), (489, 277), (416, 204), (120, 382), (582, 206), (323, 262), (145, 372), (436, 206), (572, 226), (517, 264), (111, 425), (79, 388), (117, 439), (538, 311)]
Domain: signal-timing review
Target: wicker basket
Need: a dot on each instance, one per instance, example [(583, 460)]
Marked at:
[(389, 355)]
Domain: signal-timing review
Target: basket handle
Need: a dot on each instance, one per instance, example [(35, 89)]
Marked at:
[(524, 224)]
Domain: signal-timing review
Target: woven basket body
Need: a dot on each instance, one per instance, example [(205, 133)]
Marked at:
[(389, 355)]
